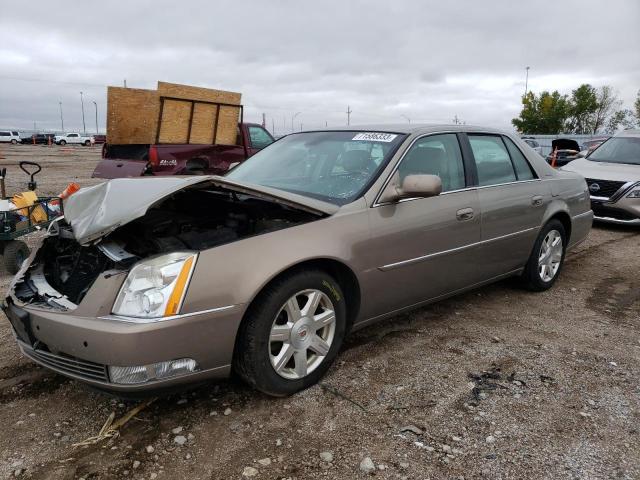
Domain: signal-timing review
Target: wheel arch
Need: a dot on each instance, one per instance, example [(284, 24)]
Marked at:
[(339, 270), (563, 217)]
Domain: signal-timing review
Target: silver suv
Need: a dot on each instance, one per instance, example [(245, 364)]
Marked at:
[(613, 176)]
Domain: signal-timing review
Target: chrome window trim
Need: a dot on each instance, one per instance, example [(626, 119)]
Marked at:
[(376, 202), (123, 318), (411, 261), (583, 214)]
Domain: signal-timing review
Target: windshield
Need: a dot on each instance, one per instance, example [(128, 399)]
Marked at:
[(332, 166), (618, 150)]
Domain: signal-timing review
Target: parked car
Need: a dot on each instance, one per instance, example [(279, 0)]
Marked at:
[(74, 138), (565, 150), (9, 136), (39, 139), (158, 282), (181, 159), (533, 143), (613, 176)]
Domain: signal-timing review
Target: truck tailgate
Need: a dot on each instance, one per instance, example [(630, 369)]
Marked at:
[(119, 168)]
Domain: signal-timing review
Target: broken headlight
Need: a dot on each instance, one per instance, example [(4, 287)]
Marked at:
[(155, 288)]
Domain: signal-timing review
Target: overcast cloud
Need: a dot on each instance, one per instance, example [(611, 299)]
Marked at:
[(388, 60)]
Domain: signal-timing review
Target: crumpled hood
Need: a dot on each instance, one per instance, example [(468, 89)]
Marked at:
[(94, 212), (620, 172)]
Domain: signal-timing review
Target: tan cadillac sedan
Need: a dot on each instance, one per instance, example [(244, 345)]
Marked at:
[(158, 282)]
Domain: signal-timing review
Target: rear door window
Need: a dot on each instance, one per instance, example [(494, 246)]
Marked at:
[(492, 160), (523, 169)]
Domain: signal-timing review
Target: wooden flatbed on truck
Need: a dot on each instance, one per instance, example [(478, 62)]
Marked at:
[(176, 130)]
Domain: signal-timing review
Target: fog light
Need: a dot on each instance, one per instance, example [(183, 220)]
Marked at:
[(155, 371)]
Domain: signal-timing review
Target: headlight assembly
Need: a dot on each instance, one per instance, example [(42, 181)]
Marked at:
[(155, 288), (634, 193)]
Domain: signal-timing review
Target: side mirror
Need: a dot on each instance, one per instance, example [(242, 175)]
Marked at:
[(413, 186)]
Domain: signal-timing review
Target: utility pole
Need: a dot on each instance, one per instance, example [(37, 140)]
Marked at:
[(404, 116), (300, 126), (526, 82), (84, 127), (455, 119), (264, 120), (96, 105), (125, 83), (61, 117), (349, 111), (273, 127), (292, 118)]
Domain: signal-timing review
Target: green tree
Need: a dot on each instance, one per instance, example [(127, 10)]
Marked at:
[(606, 108), (620, 119), (583, 106), (542, 114)]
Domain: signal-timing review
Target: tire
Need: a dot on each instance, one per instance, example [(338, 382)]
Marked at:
[(283, 367), (62, 142), (14, 142), (87, 143), (538, 276), (14, 255)]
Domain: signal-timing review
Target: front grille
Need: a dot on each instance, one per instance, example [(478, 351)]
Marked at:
[(607, 187), (608, 212), (72, 365)]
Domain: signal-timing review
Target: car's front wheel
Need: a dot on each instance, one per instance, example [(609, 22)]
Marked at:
[(547, 257), (292, 333), (62, 142)]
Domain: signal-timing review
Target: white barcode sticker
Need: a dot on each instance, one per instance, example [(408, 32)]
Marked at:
[(375, 137)]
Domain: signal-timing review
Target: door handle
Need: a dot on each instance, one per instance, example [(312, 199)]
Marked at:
[(464, 214), (536, 201)]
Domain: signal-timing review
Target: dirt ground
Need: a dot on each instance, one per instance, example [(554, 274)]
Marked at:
[(498, 383)]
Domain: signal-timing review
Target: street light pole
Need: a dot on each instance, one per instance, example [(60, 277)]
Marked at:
[(96, 105), (407, 118), (292, 118), (526, 82), (84, 127), (61, 117)]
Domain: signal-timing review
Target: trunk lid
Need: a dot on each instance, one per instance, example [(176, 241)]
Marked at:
[(94, 212)]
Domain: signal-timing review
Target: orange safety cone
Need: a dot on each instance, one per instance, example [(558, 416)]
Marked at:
[(33, 139), (49, 139)]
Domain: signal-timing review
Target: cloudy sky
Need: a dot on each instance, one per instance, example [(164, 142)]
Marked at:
[(390, 61)]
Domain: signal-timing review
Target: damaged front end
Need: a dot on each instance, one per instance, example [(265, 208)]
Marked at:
[(197, 217)]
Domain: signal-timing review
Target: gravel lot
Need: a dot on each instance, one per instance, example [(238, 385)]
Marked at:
[(497, 383)]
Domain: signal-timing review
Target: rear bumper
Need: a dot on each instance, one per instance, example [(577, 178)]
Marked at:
[(83, 348)]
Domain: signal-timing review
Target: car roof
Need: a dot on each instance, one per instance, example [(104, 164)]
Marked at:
[(409, 128), (632, 133)]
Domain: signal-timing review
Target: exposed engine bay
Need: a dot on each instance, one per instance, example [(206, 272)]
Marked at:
[(197, 218)]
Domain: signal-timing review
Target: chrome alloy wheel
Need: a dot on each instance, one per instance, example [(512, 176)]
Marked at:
[(550, 255), (302, 334)]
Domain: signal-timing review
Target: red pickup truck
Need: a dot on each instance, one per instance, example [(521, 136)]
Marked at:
[(181, 159)]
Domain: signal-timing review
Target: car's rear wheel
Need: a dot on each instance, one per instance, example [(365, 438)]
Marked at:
[(14, 141), (87, 143), (547, 257), (291, 333), (62, 142)]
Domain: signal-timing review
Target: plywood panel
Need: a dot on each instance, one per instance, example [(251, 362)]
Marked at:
[(228, 125), (174, 125), (204, 117), (132, 115), (198, 93)]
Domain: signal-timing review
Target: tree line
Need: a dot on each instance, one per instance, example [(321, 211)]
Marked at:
[(588, 110)]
